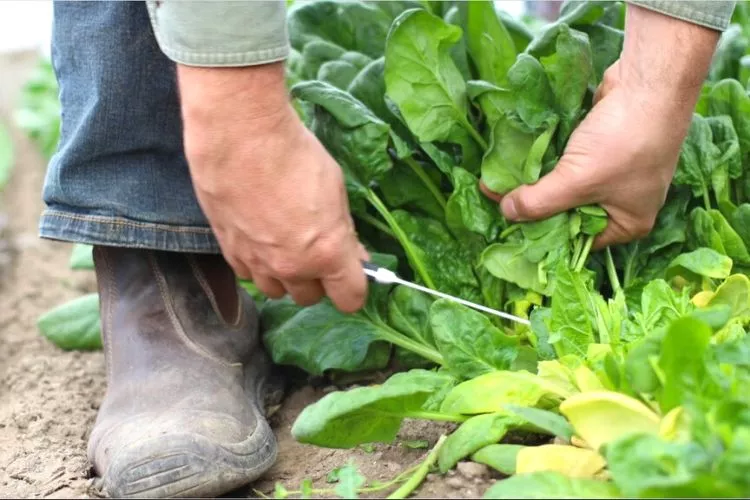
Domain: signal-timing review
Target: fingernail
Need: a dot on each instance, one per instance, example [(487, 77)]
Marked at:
[(508, 206)]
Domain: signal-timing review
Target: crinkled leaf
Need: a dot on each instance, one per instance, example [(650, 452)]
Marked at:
[(423, 81), (469, 342), (469, 209)]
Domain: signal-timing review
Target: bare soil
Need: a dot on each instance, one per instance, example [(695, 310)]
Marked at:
[(49, 398)]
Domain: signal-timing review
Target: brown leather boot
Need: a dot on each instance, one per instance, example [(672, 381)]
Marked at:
[(186, 373)]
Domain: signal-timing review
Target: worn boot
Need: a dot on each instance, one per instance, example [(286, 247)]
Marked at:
[(183, 415)]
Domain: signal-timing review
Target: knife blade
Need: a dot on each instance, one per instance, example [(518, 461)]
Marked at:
[(385, 276)]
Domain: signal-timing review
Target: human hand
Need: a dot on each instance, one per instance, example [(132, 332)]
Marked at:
[(273, 195), (623, 154)]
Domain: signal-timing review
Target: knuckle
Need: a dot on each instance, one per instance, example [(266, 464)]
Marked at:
[(285, 269)]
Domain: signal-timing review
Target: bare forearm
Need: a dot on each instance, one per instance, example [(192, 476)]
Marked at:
[(665, 55)]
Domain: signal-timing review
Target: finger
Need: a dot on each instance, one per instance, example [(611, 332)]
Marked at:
[(618, 234), (242, 271), (364, 255), (554, 193), (347, 288), (497, 197), (270, 287), (305, 293)]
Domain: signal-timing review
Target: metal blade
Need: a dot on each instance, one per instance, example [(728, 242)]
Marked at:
[(461, 301)]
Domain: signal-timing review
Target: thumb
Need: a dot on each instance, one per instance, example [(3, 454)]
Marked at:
[(556, 192)]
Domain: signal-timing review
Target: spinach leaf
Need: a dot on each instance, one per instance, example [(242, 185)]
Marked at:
[(423, 81), (573, 321), (367, 414), (446, 260), (468, 209), (356, 138), (551, 485), (490, 45), (409, 313), (354, 26), (701, 262), (473, 435), (74, 325), (501, 457), (81, 257), (491, 392), (698, 158), (338, 73), (728, 97), (646, 466), (469, 342)]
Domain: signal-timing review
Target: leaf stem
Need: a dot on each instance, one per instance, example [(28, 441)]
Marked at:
[(589, 242), (416, 479), (629, 263), (612, 272), (419, 170), (475, 135), (397, 338), (401, 237), (706, 198), (376, 223)]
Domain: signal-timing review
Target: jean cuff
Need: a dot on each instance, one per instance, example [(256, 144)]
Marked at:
[(122, 232)]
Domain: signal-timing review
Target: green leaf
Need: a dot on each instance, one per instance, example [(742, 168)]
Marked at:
[(468, 208), (353, 26), (645, 466), (682, 362), (320, 337), (74, 325), (409, 313), (6, 156), (544, 420), (569, 68), (350, 481), (279, 491), (728, 97), (472, 435), (338, 73), (606, 46), (698, 158), (532, 93), (701, 262), (501, 457), (469, 342), (490, 45), (573, 324), (734, 293), (508, 262), (81, 257), (367, 414), (356, 138), (306, 488), (493, 391), (423, 81), (448, 263), (551, 485)]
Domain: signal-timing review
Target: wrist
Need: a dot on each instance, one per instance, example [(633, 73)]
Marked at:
[(252, 96), (665, 57)]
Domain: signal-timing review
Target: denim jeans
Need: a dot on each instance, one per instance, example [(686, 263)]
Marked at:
[(119, 176)]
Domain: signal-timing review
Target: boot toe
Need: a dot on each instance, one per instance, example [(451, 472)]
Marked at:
[(172, 462)]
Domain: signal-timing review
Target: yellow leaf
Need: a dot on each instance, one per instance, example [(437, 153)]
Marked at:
[(600, 417), (701, 299), (672, 424), (567, 460), (586, 380)]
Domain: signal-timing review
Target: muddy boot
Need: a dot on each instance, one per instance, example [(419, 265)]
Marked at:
[(182, 416)]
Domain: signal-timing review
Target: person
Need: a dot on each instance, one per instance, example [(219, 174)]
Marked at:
[(183, 162)]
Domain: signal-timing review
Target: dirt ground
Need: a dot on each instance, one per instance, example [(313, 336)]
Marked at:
[(49, 398)]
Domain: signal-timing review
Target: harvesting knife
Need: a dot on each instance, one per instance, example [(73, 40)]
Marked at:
[(387, 277)]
